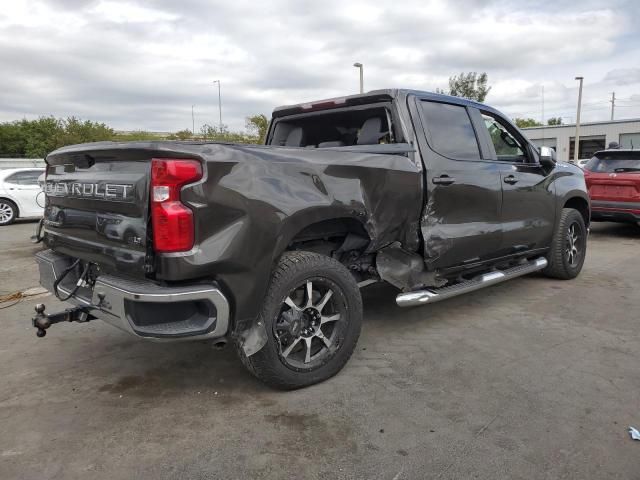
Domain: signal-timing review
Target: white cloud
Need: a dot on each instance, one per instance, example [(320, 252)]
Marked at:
[(126, 12), (141, 65)]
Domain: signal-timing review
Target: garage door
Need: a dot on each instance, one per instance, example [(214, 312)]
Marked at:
[(630, 140), (588, 146)]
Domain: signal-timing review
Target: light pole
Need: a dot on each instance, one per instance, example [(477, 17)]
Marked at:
[(359, 65), (576, 148), (219, 103), (193, 122), (542, 119), (613, 103)]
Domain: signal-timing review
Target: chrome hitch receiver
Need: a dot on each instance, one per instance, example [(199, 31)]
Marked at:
[(42, 321)]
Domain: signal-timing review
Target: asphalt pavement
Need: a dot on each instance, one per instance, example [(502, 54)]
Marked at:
[(533, 378)]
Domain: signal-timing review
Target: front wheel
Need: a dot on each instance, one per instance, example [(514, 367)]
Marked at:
[(568, 247), (312, 314), (8, 212)]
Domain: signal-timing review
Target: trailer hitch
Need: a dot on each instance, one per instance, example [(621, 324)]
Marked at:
[(42, 321)]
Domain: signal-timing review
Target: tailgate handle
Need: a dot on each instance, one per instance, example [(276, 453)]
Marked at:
[(511, 180), (443, 180)]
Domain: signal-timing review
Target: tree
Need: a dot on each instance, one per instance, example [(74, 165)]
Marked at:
[(42, 136), (73, 130), (135, 136), (257, 125), (526, 122), (37, 138), (469, 85), (13, 139), (223, 134), (181, 135), (554, 121)]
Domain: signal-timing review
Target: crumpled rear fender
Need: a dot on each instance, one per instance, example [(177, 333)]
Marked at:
[(255, 200)]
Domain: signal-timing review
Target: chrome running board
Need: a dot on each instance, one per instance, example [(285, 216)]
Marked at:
[(421, 297)]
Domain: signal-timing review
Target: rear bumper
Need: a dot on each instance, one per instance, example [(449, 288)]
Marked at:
[(141, 307), (615, 211)]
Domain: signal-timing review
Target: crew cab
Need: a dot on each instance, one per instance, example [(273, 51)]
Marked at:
[(269, 245), (613, 180)]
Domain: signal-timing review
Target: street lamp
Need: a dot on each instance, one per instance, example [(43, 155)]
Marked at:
[(576, 148), (219, 103), (359, 65), (193, 122)]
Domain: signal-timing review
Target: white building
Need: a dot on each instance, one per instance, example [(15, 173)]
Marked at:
[(594, 136)]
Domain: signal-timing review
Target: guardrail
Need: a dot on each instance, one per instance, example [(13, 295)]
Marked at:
[(21, 162)]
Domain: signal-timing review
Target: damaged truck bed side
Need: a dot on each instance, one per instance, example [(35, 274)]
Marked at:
[(268, 245)]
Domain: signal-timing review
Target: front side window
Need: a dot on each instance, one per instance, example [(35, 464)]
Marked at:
[(450, 131), (508, 148)]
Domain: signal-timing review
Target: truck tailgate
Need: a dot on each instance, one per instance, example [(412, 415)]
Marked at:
[(97, 205)]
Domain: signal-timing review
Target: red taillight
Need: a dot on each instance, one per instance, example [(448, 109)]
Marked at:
[(172, 221), (332, 102)]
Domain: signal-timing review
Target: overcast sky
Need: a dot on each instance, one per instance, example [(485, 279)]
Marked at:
[(142, 64)]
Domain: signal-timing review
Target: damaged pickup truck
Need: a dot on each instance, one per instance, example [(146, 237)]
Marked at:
[(268, 246)]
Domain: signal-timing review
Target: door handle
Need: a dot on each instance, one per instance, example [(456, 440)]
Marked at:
[(443, 180), (511, 180)]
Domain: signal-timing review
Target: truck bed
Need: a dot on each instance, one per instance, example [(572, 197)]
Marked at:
[(98, 205)]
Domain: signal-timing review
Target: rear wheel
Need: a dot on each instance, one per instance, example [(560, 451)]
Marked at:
[(312, 314), (8, 212), (568, 247)]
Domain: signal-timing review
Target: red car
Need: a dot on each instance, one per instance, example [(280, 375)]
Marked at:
[(613, 181)]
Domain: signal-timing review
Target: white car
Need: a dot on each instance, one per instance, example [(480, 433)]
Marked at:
[(19, 191), (582, 162)]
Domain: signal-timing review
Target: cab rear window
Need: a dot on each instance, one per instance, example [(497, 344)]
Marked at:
[(363, 125)]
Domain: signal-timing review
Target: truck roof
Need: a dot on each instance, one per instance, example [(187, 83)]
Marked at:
[(368, 97)]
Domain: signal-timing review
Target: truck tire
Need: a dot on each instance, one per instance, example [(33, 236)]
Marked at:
[(568, 246), (313, 315), (8, 212)]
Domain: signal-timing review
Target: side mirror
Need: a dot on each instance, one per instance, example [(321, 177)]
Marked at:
[(547, 156)]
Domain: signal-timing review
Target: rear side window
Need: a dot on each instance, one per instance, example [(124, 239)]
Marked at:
[(450, 131), (612, 162), (24, 178)]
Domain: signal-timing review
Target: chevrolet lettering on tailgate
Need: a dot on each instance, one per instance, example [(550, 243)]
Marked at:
[(108, 191)]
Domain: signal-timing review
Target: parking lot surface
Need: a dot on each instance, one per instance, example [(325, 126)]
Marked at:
[(534, 378)]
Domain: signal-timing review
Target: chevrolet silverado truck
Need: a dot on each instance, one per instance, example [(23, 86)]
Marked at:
[(268, 246)]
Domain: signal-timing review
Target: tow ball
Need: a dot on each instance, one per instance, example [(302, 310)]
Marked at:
[(42, 321)]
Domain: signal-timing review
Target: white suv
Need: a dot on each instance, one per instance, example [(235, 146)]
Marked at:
[(19, 190)]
